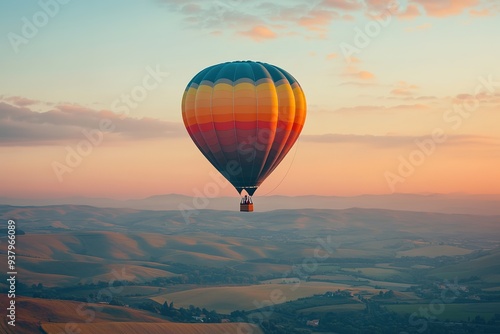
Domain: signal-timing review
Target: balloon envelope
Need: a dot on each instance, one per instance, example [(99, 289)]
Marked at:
[(244, 117)]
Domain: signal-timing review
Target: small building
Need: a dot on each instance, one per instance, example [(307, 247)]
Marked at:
[(313, 323), (200, 318)]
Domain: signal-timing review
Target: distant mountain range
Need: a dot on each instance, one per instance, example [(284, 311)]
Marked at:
[(441, 203)]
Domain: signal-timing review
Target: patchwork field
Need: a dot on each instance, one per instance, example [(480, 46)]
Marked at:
[(225, 262), (435, 251), (377, 273), (228, 298)]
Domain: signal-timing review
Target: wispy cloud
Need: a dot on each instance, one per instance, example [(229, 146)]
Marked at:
[(348, 5), (25, 127), (391, 141), (421, 27), (352, 70), (360, 84), (378, 108), (259, 33), (20, 101), (243, 17), (332, 56), (443, 8), (491, 9), (317, 20), (481, 97), (255, 19), (404, 88), (411, 12)]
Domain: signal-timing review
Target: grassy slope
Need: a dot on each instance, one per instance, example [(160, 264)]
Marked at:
[(31, 311), (169, 328), (487, 267)]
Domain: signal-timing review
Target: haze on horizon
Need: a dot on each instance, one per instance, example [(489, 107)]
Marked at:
[(414, 100)]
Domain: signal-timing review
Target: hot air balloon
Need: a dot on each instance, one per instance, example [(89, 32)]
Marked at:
[(244, 116)]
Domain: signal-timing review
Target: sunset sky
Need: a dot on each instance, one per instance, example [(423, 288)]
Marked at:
[(402, 96)]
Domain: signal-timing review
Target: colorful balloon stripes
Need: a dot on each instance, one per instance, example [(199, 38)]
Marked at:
[(244, 117)]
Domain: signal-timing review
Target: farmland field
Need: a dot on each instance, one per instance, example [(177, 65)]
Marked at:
[(376, 273), (227, 299), (434, 251), (225, 269)]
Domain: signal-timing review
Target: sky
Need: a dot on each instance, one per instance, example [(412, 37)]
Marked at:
[(403, 96)]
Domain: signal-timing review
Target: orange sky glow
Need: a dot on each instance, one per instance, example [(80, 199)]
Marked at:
[(410, 106)]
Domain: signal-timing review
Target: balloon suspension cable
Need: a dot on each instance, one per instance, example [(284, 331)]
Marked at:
[(289, 167)]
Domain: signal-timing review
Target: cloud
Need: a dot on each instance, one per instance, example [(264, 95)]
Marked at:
[(391, 141), (377, 5), (483, 97), (354, 60), (20, 101), (65, 122), (378, 108), (404, 89), (359, 74), (365, 75), (347, 5), (426, 97), (420, 27), (191, 8), (317, 20), (259, 33), (443, 8), (488, 11), (297, 17), (431, 8), (411, 12), (301, 17), (360, 84), (331, 56), (412, 98), (352, 70)]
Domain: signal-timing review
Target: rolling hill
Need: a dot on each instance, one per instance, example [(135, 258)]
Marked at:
[(32, 312), (140, 328), (225, 261), (66, 245)]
